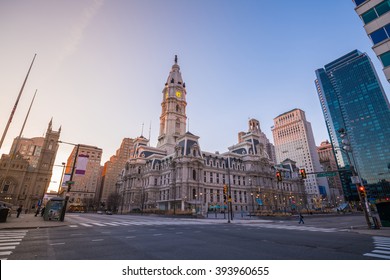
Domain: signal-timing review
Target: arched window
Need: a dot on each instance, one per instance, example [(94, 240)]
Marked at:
[(194, 174)]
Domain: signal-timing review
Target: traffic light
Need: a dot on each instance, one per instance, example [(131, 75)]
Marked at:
[(302, 171), (279, 176), (225, 193), (362, 191)]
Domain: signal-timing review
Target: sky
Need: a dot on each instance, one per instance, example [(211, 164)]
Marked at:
[(101, 66)]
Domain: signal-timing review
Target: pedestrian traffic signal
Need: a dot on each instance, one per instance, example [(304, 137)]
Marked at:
[(279, 176), (302, 171), (362, 191)]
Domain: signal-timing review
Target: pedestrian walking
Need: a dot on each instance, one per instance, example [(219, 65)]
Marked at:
[(301, 219), (43, 211), (19, 210), (38, 210)]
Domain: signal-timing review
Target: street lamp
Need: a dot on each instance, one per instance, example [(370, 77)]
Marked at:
[(62, 178)]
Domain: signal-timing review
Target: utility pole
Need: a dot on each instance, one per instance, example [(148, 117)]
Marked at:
[(356, 180), (70, 182)]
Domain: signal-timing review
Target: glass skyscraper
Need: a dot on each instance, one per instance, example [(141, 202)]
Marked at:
[(352, 98)]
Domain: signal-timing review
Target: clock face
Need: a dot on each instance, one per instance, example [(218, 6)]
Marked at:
[(178, 94), (166, 95)]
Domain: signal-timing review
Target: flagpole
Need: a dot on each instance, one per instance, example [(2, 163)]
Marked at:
[(24, 124), (16, 104)]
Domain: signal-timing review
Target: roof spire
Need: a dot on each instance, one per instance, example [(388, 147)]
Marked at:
[(175, 59)]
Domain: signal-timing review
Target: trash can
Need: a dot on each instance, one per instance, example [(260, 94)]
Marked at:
[(384, 213), (3, 214)]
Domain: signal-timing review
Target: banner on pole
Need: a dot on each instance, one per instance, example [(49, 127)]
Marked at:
[(65, 180), (81, 165)]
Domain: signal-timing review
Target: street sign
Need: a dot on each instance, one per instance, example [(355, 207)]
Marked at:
[(355, 180), (69, 182), (326, 174), (259, 201)]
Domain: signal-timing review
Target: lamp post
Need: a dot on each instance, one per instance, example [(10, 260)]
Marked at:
[(363, 200), (70, 182), (62, 178)]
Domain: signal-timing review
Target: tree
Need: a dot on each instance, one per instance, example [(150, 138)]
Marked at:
[(113, 201)]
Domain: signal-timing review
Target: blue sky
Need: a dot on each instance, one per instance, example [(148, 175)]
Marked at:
[(101, 65)]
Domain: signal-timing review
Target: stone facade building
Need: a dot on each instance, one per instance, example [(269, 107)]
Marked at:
[(294, 139), (26, 172), (328, 163), (178, 175)]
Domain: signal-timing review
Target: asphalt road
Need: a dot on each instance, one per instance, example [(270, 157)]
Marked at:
[(103, 237)]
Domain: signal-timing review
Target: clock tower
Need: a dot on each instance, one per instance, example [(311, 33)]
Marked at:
[(173, 117)]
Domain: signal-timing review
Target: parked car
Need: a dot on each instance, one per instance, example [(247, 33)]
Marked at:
[(99, 212), (108, 212)]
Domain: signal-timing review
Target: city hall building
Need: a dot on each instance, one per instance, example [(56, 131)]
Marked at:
[(178, 176)]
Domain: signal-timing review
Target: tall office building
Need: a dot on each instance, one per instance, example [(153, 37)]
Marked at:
[(86, 178), (113, 168), (376, 19), (328, 163), (352, 98), (294, 140)]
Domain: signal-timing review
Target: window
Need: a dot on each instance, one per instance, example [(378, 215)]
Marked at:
[(385, 58), (378, 36), (382, 8), (194, 174), (5, 188), (358, 2), (376, 12)]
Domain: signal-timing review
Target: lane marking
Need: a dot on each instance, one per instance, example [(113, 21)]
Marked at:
[(55, 244), (97, 240)]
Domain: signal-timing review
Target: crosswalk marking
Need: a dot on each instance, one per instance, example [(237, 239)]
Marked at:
[(9, 239), (86, 225), (135, 223), (382, 248), (200, 222), (291, 227), (381, 252), (99, 224)]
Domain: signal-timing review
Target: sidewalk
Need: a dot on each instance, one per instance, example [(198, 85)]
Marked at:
[(29, 221)]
